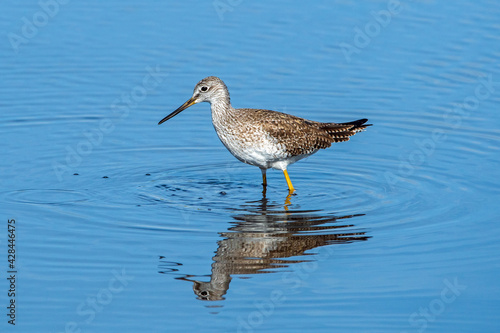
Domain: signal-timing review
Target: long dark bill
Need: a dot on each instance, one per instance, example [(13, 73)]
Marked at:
[(181, 108)]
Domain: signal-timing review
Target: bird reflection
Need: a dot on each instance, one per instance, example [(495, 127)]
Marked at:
[(262, 237)]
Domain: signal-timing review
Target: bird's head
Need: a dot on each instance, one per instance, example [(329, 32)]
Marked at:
[(209, 89)]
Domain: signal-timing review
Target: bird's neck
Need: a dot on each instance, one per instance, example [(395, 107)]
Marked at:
[(221, 106)]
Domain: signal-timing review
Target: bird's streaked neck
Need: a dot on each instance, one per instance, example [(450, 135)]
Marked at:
[(220, 104)]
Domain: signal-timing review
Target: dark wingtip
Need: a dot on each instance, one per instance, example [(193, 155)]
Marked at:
[(359, 123)]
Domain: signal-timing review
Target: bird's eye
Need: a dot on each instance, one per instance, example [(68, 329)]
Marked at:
[(204, 88)]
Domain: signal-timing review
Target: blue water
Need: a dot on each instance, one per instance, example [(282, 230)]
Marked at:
[(126, 226)]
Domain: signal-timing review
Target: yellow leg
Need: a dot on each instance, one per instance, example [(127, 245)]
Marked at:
[(264, 178), (288, 181), (264, 182)]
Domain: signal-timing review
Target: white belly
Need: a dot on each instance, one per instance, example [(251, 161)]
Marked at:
[(258, 149), (258, 152)]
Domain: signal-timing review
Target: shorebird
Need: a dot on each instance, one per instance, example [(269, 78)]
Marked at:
[(265, 138)]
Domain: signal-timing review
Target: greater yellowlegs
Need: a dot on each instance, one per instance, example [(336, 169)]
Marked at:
[(265, 138)]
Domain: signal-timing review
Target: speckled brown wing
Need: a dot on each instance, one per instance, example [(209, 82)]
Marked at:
[(298, 136), (301, 136)]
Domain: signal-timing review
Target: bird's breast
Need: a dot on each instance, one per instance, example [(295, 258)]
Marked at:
[(249, 144)]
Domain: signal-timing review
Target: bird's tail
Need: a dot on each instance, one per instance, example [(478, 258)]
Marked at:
[(342, 131), (357, 125)]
